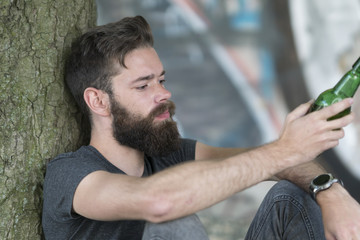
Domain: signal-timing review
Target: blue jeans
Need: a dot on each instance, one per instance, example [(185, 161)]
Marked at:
[(187, 228), (287, 212)]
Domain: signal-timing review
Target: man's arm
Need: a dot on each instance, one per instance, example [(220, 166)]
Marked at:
[(204, 151), (190, 187), (175, 192), (340, 212)]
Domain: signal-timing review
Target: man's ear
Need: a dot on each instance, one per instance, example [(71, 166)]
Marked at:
[(98, 101)]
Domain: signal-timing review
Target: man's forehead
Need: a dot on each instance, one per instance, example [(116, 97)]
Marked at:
[(132, 76), (148, 76), (142, 63)]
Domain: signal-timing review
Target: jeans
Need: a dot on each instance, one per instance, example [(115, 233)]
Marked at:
[(187, 228), (287, 212)]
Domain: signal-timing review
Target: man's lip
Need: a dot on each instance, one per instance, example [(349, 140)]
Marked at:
[(163, 116)]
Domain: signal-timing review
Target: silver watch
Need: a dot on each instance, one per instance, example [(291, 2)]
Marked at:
[(322, 182)]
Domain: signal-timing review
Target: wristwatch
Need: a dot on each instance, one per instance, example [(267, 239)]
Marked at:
[(322, 182)]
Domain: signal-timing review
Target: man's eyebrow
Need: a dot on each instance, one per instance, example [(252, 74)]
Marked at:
[(147, 77)]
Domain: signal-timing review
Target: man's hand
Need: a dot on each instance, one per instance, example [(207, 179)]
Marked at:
[(340, 212), (306, 136)]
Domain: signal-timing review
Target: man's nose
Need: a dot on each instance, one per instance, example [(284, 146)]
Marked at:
[(162, 94)]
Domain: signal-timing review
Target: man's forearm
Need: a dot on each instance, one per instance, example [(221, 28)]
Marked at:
[(302, 175), (190, 187)]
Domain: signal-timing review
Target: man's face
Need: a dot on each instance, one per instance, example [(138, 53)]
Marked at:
[(145, 134), (140, 105)]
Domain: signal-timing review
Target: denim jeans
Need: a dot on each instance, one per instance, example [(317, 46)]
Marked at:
[(187, 228), (287, 212)]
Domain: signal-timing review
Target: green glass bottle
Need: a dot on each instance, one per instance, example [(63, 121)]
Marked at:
[(345, 88)]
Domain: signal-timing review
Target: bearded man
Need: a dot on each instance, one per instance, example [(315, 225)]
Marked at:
[(138, 179)]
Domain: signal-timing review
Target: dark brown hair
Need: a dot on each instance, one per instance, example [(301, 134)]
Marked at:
[(96, 55)]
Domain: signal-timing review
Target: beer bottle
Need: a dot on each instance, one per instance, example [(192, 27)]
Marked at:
[(345, 88)]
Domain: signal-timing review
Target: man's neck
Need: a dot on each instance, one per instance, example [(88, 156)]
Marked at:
[(129, 160)]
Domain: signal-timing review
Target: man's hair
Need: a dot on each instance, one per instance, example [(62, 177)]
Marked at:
[(96, 55)]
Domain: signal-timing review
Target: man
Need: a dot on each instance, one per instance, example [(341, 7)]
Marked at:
[(137, 179)]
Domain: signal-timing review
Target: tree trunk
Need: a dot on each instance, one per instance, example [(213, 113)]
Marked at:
[(38, 119)]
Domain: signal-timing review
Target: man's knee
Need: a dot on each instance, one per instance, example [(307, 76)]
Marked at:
[(189, 227), (287, 210), (286, 196), (285, 187)]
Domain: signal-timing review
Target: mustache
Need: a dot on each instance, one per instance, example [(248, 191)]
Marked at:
[(166, 106)]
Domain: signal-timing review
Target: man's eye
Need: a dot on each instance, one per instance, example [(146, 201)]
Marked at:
[(162, 82), (141, 87)]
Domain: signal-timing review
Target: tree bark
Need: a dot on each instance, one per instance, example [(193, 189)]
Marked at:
[(38, 118)]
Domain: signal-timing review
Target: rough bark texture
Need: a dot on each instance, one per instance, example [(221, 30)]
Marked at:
[(37, 117)]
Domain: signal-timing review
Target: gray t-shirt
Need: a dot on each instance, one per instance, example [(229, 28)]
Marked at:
[(63, 175)]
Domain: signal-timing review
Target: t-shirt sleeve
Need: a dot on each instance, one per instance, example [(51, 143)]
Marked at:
[(63, 175), (188, 149)]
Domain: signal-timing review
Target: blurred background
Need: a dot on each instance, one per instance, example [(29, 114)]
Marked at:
[(237, 67)]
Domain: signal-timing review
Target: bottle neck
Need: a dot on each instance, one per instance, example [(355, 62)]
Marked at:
[(356, 66), (350, 82)]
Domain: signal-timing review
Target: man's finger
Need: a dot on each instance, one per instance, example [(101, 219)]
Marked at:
[(336, 108), (301, 110), (341, 122)]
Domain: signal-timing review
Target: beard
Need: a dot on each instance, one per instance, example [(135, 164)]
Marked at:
[(142, 133)]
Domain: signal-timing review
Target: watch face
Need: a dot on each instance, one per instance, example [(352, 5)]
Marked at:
[(322, 179)]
